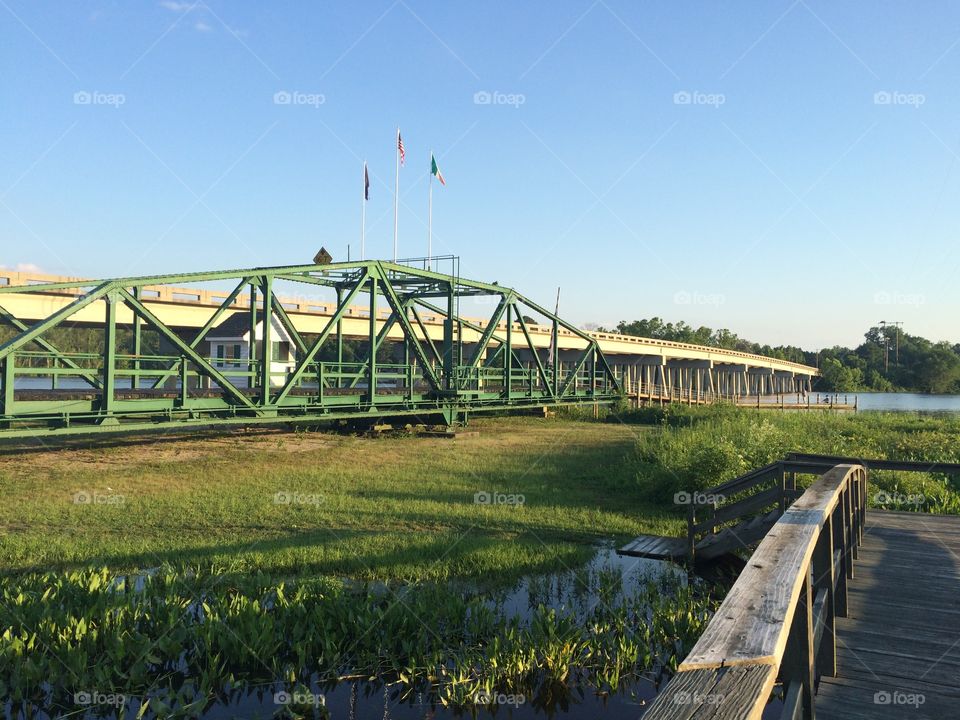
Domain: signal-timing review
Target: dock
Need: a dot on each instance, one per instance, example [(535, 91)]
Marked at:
[(840, 612), (898, 649)]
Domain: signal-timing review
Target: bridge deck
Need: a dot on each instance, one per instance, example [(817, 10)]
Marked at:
[(898, 650)]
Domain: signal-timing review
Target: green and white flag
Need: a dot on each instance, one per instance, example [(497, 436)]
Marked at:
[(435, 170)]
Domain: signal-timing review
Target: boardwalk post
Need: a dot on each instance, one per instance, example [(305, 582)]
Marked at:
[(838, 523), (849, 530), (782, 480), (862, 482), (797, 665), (823, 583)]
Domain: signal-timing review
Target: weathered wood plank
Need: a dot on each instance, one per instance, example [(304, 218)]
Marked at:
[(735, 693), (740, 508), (654, 546), (836, 702), (745, 481), (752, 622), (909, 644), (878, 664), (875, 464)]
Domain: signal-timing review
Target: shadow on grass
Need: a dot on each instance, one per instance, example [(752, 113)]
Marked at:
[(495, 560)]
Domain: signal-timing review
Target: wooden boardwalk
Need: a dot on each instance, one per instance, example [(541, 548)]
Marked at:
[(898, 649), (852, 614)]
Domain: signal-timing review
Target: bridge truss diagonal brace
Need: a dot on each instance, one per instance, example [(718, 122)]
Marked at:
[(281, 313), (541, 370), (318, 343), (202, 364), (20, 326), (210, 323), (399, 312), (489, 330), (581, 361), (426, 333), (591, 341), (18, 341), (381, 336), (501, 342)]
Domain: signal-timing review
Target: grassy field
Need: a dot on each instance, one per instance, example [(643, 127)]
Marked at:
[(250, 533), (327, 504), (695, 448)]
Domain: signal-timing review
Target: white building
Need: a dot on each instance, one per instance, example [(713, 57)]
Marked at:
[(229, 349)]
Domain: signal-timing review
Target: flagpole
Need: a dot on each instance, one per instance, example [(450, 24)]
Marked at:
[(363, 211), (396, 199), (430, 213)]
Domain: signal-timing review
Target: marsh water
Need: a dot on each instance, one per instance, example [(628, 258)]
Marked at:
[(565, 590), (572, 590)]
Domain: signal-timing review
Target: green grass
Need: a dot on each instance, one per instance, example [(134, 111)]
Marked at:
[(387, 508), (694, 448), (248, 591)]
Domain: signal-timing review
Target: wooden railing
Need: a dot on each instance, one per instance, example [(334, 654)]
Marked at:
[(778, 620)]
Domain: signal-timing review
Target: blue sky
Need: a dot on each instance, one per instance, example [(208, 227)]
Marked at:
[(788, 170)]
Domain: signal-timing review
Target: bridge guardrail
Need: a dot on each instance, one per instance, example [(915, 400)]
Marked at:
[(778, 620)]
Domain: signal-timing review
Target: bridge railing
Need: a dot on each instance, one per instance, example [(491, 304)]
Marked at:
[(745, 498), (675, 393), (778, 620)]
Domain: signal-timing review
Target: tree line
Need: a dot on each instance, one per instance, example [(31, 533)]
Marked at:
[(887, 360)]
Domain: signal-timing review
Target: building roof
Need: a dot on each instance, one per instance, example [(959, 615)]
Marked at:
[(235, 326)]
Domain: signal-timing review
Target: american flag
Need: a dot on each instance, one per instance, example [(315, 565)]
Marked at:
[(400, 149)]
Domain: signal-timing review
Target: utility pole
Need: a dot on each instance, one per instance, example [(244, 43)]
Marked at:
[(886, 343), (886, 348), (898, 325)]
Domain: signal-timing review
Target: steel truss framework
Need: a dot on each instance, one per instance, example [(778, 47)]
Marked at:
[(474, 367)]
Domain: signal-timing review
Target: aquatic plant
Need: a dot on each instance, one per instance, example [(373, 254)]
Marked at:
[(173, 642)]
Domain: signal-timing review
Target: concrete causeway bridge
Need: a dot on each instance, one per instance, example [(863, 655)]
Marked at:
[(840, 612), (344, 341)]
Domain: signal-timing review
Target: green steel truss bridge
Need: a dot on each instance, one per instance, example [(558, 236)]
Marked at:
[(158, 364)]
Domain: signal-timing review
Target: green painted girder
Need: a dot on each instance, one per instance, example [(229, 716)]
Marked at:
[(502, 380)]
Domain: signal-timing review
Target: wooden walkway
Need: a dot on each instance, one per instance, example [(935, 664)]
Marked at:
[(898, 649), (853, 614)]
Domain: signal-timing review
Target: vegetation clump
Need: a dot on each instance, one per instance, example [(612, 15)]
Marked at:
[(693, 448), (173, 642)]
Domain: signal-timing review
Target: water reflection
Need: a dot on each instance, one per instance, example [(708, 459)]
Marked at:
[(606, 578)]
